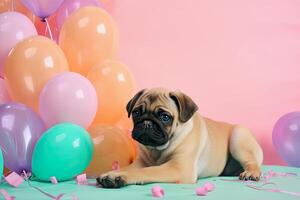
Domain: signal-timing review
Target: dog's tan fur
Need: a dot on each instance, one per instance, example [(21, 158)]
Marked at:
[(199, 148)]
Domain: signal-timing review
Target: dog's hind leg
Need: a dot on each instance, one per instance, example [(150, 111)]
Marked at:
[(245, 149)]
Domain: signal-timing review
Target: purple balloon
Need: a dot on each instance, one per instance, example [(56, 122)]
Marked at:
[(69, 6), (42, 8), (20, 128), (286, 138)]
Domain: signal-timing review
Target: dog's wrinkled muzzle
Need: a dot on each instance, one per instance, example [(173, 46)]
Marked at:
[(149, 133)]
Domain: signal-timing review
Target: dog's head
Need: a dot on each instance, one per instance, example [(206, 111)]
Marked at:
[(157, 114)]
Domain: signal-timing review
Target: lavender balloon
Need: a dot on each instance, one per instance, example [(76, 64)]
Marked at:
[(69, 6), (286, 138), (42, 8), (20, 128)]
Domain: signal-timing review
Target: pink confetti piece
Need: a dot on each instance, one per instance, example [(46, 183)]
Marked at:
[(157, 191), (6, 195), (53, 180), (209, 186), (115, 165), (81, 179), (201, 191), (14, 179)]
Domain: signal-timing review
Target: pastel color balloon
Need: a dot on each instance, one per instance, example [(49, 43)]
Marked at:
[(63, 152), (14, 27), (4, 96), (125, 122), (19, 131), (115, 86), (17, 6), (88, 37), (286, 138), (42, 8), (69, 6), (111, 146), (68, 97), (30, 65), (1, 163)]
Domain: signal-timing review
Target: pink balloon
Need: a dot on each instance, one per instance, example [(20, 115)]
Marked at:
[(14, 27), (42, 8), (68, 97), (69, 6), (4, 96)]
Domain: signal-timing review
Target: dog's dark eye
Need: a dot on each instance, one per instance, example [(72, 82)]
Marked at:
[(136, 113), (165, 118)]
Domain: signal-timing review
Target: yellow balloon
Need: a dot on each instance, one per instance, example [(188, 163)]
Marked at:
[(115, 86), (30, 64), (111, 145), (88, 37)]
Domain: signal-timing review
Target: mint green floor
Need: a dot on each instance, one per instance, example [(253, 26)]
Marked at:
[(224, 190)]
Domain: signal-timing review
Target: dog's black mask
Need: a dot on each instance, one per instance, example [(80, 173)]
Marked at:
[(149, 131)]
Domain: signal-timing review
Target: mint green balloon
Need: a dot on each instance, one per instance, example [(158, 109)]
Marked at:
[(1, 164), (63, 151)]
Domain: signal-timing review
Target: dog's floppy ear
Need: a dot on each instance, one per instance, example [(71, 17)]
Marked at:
[(133, 101), (186, 106)]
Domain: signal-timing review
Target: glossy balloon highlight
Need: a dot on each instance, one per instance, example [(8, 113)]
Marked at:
[(30, 65), (64, 151), (20, 128)]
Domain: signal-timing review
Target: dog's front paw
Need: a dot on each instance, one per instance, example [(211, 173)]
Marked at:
[(253, 175), (111, 180)]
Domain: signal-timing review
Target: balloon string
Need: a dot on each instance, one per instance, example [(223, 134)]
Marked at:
[(40, 190), (48, 28), (12, 5)]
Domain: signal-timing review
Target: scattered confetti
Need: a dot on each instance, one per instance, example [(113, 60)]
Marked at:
[(157, 191), (6, 195), (201, 191), (115, 165), (81, 179), (14, 179), (53, 180), (265, 180), (209, 186)]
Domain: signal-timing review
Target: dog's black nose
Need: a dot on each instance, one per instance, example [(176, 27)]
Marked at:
[(147, 124)]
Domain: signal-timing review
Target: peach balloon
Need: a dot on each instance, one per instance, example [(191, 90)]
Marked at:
[(6, 171), (17, 6), (125, 122), (114, 86), (88, 37), (30, 64), (110, 145)]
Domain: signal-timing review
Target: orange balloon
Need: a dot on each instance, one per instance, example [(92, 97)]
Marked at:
[(6, 171), (125, 122), (88, 37), (30, 64), (114, 85), (16, 5), (110, 145)]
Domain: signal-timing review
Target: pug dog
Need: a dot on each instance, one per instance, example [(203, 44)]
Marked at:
[(178, 145)]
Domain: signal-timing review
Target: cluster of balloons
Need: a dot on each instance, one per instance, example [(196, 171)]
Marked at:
[(286, 138), (63, 98)]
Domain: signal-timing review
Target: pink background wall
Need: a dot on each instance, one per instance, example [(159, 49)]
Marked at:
[(238, 59)]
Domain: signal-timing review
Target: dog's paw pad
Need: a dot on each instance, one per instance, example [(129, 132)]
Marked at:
[(250, 175), (108, 182)]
